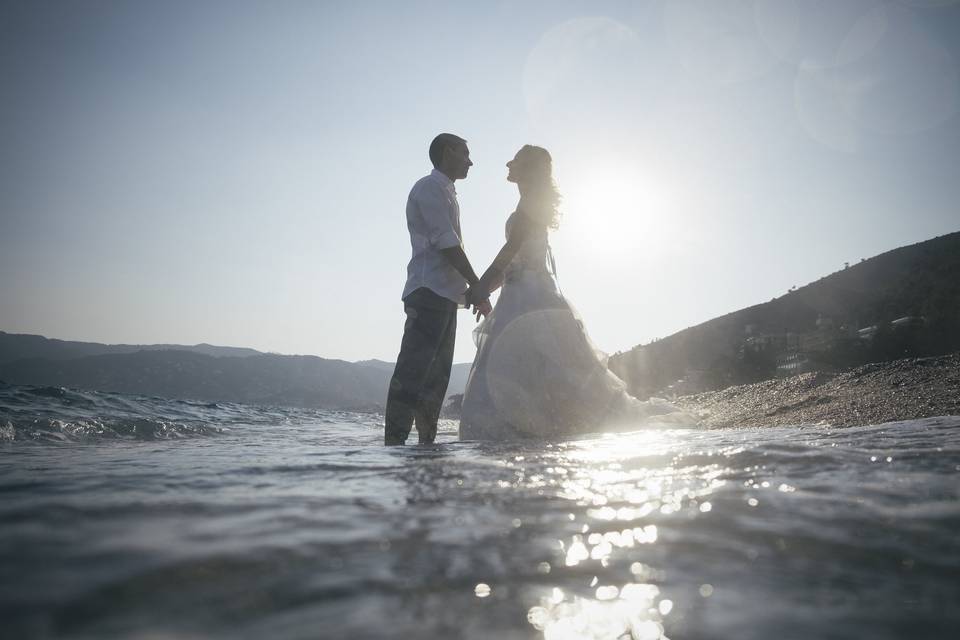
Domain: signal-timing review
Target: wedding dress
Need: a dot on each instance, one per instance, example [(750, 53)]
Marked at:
[(536, 373)]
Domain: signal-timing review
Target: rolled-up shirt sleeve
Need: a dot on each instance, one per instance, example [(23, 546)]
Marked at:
[(436, 211)]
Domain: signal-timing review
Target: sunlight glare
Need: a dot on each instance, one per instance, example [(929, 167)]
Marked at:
[(618, 213)]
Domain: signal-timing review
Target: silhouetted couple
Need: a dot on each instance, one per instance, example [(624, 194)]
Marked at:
[(536, 373)]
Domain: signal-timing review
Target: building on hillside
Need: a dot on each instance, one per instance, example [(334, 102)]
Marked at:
[(867, 333), (906, 322), (793, 353), (763, 341), (693, 381), (791, 363)]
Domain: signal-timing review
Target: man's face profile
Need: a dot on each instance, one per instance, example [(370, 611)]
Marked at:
[(458, 159)]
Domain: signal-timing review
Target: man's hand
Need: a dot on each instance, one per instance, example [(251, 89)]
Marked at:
[(482, 309), (476, 294)]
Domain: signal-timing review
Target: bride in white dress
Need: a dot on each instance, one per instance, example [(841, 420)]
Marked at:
[(536, 373)]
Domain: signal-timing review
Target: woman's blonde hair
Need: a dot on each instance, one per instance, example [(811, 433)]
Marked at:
[(544, 188)]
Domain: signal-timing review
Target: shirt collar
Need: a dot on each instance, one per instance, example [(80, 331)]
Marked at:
[(444, 180)]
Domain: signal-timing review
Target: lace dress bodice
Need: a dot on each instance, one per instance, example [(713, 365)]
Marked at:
[(532, 255)]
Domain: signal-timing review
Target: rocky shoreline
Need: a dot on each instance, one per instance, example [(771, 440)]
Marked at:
[(872, 394)]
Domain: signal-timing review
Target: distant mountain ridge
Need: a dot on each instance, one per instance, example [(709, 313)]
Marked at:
[(16, 346), (920, 282), (202, 372)]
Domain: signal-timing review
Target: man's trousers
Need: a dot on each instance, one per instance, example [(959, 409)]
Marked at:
[(419, 383)]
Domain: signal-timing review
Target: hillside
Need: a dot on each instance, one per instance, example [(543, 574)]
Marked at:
[(839, 321), (202, 372)]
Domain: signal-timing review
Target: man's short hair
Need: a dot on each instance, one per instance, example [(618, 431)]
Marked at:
[(441, 142)]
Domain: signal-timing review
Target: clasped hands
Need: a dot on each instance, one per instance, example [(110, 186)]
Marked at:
[(478, 299)]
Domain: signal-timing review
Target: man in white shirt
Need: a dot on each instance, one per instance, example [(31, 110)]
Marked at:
[(438, 276)]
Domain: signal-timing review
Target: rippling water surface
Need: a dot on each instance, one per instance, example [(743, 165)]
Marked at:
[(127, 516)]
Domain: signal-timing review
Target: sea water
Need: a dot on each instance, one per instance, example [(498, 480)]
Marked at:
[(136, 517)]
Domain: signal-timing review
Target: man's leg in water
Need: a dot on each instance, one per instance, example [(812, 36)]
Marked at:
[(434, 389), (424, 333)]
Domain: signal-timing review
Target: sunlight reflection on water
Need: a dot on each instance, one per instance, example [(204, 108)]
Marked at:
[(617, 496)]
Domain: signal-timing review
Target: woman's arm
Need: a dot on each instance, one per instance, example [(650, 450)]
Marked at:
[(492, 278)]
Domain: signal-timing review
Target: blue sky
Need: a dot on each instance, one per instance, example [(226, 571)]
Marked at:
[(236, 172)]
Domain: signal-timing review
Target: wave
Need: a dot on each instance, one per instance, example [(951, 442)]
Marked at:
[(55, 430), (62, 414)]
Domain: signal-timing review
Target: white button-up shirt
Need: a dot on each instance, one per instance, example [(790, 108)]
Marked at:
[(433, 219)]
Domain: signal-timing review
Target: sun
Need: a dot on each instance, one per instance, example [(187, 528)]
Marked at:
[(619, 214)]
